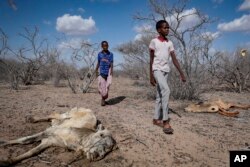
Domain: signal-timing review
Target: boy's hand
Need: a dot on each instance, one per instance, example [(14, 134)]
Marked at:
[(152, 81), (183, 78)]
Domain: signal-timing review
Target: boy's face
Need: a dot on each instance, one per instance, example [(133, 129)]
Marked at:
[(164, 29), (105, 46)]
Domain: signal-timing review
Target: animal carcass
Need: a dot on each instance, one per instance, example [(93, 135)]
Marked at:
[(76, 130), (214, 106)]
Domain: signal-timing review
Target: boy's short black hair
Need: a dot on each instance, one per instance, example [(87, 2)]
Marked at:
[(104, 42), (159, 24)]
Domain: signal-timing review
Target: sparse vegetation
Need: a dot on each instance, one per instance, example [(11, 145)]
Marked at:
[(192, 45), (232, 69), (53, 71), (36, 61)]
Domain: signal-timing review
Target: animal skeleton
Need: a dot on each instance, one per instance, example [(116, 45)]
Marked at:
[(76, 130), (216, 106)]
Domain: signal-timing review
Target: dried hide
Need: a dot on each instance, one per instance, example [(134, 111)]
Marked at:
[(214, 106), (76, 130)]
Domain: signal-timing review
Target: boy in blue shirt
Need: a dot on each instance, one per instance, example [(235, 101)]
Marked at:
[(161, 50), (105, 63)]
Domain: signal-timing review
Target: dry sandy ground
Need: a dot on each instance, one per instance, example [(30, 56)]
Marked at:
[(199, 139)]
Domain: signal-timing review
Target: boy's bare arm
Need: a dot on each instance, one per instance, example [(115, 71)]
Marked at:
[(111, 66), (177, 65), (96, 69), (152, 79)]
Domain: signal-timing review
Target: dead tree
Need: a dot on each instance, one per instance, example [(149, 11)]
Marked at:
[(30, 58), (188, 40), (136, 57), (86, 55), (33, 56)]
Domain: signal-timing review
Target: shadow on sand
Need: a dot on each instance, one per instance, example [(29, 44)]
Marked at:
[(115, 100)]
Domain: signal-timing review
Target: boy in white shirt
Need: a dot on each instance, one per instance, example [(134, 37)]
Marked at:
[(161, 49)]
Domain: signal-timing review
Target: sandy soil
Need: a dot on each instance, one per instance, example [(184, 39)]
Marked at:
[(199, 139)]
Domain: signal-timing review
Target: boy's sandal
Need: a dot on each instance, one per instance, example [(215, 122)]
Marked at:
[(168, 130), (103, 103), (157, 123)]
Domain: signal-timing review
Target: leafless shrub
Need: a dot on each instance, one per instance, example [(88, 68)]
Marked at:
[(39, 61), (119, 73), (9, 66), (150, 93), (54, 68), (71, 75), (144, 91), (30, 57), (232, 69), (86, 55), (139, 83), (33, 56), (193, 88), (136, 58)]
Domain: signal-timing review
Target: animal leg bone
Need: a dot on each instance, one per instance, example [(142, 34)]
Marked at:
[(229, 114), (25, 140), (35, 119), (41, 147), (240, 106)]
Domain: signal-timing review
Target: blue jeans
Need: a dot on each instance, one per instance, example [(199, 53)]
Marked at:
[(162, 96)]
